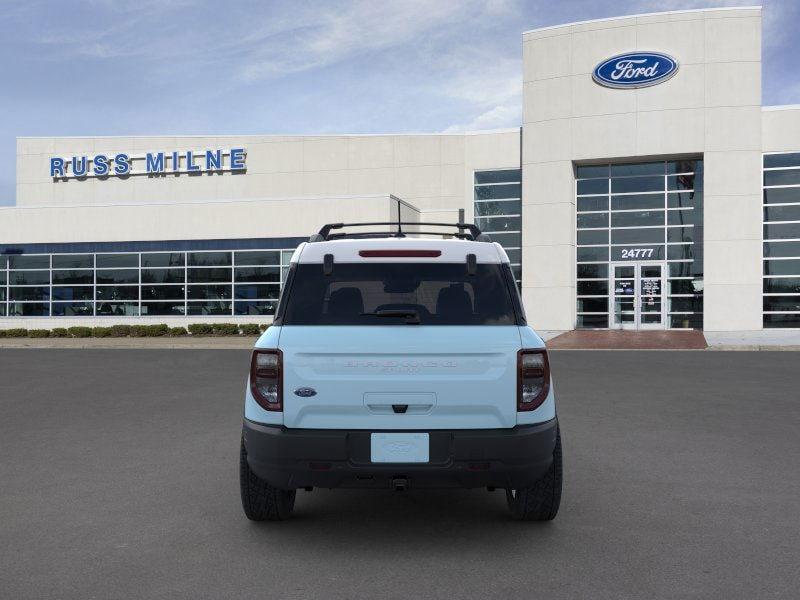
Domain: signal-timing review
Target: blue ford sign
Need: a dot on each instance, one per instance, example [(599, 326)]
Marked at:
[(635, 70)]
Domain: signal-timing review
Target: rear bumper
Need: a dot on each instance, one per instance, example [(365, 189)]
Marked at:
[(467, 458)]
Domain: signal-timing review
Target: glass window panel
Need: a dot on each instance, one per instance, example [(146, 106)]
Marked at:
[(637, 202), (26, 261), (782, 303), (516, 271), (286, 256), (3, 262), (592, 236), (498, 176), (782, 285), (782, 267), (162, 308), (593, 220), (208, 308), (681, 269), (592, 271), (258, 258), (496, 207), (685, 286), (164, 259), (781, 249), (117, 276), (596, 203), (593, 288), (2, 294), (208, 259), (684, 166), (637, 236), (73, 261), (782, 213), (787, 320), (28, 309), (210, 275), (254, 292), (789, 159), (684, 199), (209, 292), (680, 234), (493, 192), (73, 309), (163, 276), (73, 277), (682, 182), (686, 321), (162, 292), (693, 304), (680, 252), (29, 293), (29, 277), (592, 321), (515, 256), (79, 292), (782, 195), (117, 309), (257, 274), (2, 277), (3, 308), (651, 271), (788, 177), (494, 224), (591, 171), (637, 184), (648, 168), (592, 186), (637, 219), (596, 305), (116, 261), (683, 217), (782, 231), (117, 292), (512, 240), (255, 308), (589, 254)]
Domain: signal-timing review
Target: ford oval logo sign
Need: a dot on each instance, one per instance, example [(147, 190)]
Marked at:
[(635, 70), (305, 392)]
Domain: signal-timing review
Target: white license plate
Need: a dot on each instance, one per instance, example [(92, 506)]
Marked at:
[(400, 447)]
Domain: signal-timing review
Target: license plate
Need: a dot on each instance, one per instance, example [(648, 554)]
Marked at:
[(400, 447)]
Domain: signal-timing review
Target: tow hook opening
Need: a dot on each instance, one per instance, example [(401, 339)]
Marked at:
[(399, 408), (399, 484)]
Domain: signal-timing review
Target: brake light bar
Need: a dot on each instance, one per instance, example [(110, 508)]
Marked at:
[(399, 253)]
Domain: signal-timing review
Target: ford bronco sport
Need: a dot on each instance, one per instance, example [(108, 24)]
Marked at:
[(397, 360)]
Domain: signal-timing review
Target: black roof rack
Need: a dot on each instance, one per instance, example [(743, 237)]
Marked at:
[(464, 231)]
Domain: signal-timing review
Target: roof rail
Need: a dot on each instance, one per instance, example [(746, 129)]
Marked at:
[(465, 231)]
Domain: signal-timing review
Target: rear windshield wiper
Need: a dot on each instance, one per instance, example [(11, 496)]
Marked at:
[(412, 316)]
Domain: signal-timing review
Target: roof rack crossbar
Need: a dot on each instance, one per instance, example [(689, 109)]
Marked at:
[(464, 230)]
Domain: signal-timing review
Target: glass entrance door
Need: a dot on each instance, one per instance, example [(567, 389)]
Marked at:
[(637, 295)]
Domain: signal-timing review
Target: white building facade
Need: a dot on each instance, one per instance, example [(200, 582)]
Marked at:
[(647, 188)]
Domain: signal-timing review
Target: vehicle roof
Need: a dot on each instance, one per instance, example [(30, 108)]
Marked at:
[(452, 250)]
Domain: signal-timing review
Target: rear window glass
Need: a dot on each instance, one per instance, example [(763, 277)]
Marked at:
[(399, 294)]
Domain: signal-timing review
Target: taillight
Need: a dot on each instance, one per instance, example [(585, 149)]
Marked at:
[(533, 378), (265, 378)]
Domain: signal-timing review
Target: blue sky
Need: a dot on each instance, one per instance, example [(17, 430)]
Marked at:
[(151, 67)]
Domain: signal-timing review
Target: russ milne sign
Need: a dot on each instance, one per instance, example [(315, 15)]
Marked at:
[(635, 70), (152, 163)]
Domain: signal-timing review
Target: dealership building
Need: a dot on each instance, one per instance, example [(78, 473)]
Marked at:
[(646, 188)]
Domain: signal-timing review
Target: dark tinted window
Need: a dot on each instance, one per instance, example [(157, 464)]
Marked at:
[(439, 294)]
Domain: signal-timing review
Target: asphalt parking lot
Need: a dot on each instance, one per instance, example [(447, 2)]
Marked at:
[(118, 479)]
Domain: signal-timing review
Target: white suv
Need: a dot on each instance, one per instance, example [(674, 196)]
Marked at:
[(397, 360)]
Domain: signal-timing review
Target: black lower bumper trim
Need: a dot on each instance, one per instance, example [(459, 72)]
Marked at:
[(468, 458)]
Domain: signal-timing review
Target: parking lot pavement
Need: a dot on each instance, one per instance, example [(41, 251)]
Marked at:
[(118, 479)]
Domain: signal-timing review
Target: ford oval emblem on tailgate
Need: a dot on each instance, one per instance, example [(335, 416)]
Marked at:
[(305, 392)]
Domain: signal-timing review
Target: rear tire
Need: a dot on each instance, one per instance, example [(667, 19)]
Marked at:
[(540, 501), (260, 500)]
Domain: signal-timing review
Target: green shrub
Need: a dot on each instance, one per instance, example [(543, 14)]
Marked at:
[(38, 333), (59, 332), (101, 332), (177, 331), (224, 329), (250, 329), (138, 331), (2, 333), (263, 327), (120, 330), (201, 329), (157, 330), (16, 332), (80, 332)]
